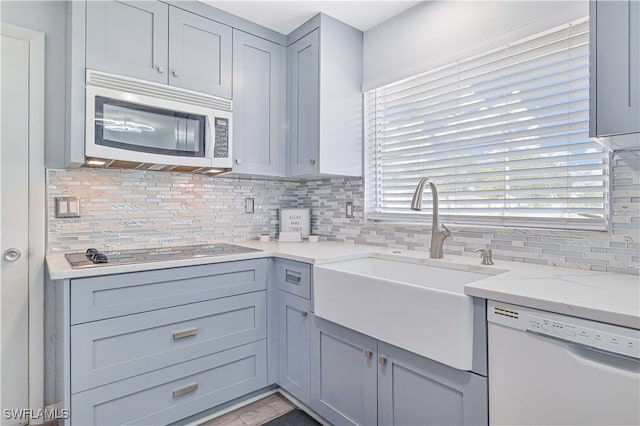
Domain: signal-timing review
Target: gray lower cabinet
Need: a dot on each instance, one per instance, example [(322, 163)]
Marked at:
[(413, 390), (294, 334), (293, 281), (357, 380), (343, 374), (258, 105), (157, 346), (154, 41)]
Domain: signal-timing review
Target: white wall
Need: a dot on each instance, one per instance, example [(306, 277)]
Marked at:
[(435, 33), (48, 17)]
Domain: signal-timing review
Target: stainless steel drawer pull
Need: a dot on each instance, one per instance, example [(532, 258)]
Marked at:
[(304, 313), (185, 333), (293, 277), (184, 390), (368, 354), (382, 360)]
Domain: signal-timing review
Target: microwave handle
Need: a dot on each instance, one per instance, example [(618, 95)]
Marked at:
[(209, 136)]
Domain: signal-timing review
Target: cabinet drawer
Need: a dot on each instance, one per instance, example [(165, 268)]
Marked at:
[(169, 394), (111, 296), (294, 277), (115, 349)]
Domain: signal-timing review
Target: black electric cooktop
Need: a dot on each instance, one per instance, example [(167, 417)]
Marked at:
[(94, 258)]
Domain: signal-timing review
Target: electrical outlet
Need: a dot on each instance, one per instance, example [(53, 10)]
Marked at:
[(248, 205), (349, 210)]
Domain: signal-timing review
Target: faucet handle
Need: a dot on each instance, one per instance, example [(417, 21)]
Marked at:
[(486, 256), (446, 231)]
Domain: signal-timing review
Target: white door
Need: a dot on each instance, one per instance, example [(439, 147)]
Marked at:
[(22, 222), (14, 232)]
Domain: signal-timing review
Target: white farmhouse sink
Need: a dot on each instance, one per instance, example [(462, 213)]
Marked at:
[(403, 301)]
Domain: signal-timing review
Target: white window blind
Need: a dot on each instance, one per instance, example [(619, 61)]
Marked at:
[(504, 134)]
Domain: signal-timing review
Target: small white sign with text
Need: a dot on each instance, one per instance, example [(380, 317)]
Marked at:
[(295, 220)]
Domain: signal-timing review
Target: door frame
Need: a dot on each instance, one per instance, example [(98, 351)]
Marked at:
[(37, 208)]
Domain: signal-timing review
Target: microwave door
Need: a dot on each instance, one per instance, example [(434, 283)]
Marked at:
[(142, 129)]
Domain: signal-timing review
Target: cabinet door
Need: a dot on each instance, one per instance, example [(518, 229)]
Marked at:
[(413, 390), (128, 38), (304, 103), (258, 105), (199, 54), (617, 67), (294, 334), (343, 375)]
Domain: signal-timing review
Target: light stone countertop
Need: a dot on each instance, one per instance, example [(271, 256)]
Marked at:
[(600, 296)]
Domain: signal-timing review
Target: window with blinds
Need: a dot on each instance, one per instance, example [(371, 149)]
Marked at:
[(504, 134)]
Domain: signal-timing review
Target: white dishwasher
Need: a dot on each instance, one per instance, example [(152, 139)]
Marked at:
[(551, 369)]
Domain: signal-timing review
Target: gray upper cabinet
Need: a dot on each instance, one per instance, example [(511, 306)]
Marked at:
[(304, 94), (153, 41), (128, 38), (615, 67), (258, 105), (199, 54), (325, 99)]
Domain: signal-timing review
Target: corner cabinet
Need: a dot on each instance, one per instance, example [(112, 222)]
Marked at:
[(258, 105), (358, 380), (304, 99), (615, 68), (324, 59), (157, 42)]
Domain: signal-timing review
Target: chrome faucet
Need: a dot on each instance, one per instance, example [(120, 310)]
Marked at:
[(438, 231)]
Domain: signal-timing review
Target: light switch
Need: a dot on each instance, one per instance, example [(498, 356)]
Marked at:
[(66, 207), (248, 205)]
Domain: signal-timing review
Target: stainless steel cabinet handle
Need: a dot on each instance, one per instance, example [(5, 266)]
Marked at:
[(382, 360), (238, 161), (175, 73), (304, 313), (186, 333), (184, 390), (368, 354), (12, 254), (292, 277), (160, 69), (312, 161)]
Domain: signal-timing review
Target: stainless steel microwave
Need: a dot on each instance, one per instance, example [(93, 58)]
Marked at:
[(142, 122)]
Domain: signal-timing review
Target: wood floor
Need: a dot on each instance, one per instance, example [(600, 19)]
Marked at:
[(254, 414)]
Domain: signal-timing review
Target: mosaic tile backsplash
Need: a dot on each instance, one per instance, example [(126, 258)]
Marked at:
[(134, 209), (124, 209), (615, 251)]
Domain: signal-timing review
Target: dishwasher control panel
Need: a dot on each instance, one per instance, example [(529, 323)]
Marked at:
[(594, 338), (582, 332)]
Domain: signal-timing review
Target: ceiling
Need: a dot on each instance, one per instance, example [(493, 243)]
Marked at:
[(285, 16)]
